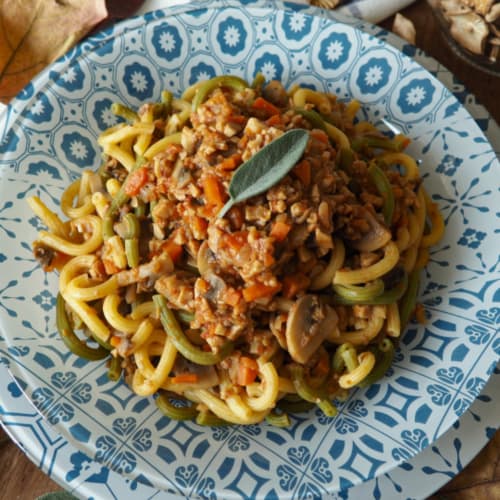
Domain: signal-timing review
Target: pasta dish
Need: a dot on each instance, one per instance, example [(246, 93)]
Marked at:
[(244, 252)]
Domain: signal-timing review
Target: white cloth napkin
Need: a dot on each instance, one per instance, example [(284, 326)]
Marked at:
[(372, 11)]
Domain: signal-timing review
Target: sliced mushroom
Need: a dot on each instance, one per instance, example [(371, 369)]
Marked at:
[(493, 14), (217, 286), (480, 6), (454, 7), (181, 175), (205, 260), (375, 238), (470, 30), (495, 51), (309, 324)]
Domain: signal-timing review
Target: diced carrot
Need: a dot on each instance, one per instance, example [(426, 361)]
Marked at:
[(280, 230), (173, 249), (207, 211), (110, 267), (231, 162), (214, 193), (135, 181), (202, 286), (200, 226), (115, 340), (248, 369), (237, 119), (232, 296), (185, 378), (319, 135), (235, 241), (259, 290), (294, 283), (263, 105), (274, 120), (303, 171)]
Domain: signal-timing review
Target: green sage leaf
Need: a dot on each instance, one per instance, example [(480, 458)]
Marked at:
[(268, 166)]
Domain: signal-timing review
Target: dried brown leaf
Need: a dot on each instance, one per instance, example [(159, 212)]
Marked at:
[(35, 32)]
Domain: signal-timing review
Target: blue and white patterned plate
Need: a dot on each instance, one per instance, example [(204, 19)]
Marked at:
[(418, 478), (49, 135)]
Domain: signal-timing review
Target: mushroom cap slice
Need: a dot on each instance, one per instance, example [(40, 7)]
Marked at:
[(454, 7), (309, 324), (205, 260), (377, 237), (470, 31)]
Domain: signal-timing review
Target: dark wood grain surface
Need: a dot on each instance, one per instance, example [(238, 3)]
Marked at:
[(20, 479)]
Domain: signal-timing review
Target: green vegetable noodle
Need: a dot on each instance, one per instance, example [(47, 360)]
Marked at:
[(69, 337), (175, 412), (182, 343)]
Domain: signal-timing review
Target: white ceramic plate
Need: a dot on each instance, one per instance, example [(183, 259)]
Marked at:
[(50, 135)]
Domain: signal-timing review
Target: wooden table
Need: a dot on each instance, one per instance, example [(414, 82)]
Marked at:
[(21, 480)]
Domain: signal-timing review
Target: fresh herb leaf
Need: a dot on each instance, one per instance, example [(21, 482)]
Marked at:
[(268, 166)]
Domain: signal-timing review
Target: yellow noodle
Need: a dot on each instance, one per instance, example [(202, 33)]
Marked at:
[(113, 186), (221, 409), (364, 335), (370, 273), (124, 132), (115, 319), (121, 155), (89, 316), (67, 201), (409, 257), (49, 218), (143, 310), (422, 258), (403, 238), (144, 139), (393, 324), (83, 288), (101, 203), (160, 145), (68, 247), (142, 334), (325, 278), (303, 96), (286, 385), (411, 168), (269, 386), (437, 223), (351, 109), (366, 361)]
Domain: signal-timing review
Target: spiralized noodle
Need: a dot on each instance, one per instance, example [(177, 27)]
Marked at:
[(289, 300)]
